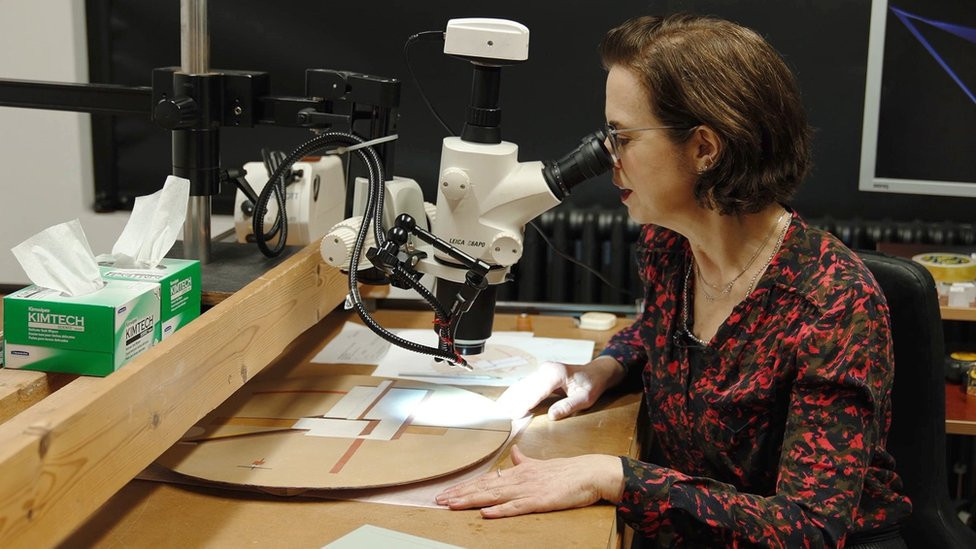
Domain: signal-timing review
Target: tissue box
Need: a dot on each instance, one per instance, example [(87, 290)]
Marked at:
[(93, 334), (179, 289)]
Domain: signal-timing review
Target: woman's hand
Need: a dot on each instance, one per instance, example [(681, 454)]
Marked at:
[(581, 385), (537, 485)]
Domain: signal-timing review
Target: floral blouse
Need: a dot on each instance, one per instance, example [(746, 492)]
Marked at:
[(774, 433)]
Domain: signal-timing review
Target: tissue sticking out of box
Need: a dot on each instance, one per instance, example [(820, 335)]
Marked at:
[(153, 227), (59, 258)]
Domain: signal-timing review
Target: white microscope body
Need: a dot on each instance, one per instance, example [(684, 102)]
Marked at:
[(401, 195), (314, 203), (485, 196)]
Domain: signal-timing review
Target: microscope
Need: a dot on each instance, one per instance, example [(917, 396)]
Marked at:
[(472, 237)]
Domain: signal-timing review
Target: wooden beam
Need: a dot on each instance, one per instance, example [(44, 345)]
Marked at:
[(21, 389), (66, 455)]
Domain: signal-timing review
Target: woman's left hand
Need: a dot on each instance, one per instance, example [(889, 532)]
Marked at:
[(539, 485)]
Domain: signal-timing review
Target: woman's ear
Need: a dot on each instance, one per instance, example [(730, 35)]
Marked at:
[(705, 147)]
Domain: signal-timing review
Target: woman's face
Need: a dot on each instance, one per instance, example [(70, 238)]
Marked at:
[(655, 176)]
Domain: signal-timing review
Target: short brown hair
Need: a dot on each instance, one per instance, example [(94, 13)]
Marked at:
[(701, 70)]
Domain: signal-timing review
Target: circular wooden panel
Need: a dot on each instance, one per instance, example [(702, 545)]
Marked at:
[(333, 432)]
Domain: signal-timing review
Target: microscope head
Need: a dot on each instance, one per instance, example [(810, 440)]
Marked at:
[(491, 42), (485, 197), (488, 44)]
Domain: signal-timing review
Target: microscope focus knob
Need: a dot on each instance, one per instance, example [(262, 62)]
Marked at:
[(455, 183), (175, 113), (336, 246), (506, 248)]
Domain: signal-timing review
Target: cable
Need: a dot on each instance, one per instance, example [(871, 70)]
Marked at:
[(401, 274), (271, 161), (371, 216), (428, 36), (574, 261), (276, 186)]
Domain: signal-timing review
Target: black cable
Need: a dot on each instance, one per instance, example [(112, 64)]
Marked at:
[(276, 186), (578, 263), (371, 216), (271, 161), (400, 273), (445, 329), (280, 226), (368, 319), (425, 36)]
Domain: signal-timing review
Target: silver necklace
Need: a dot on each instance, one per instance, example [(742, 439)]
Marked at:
[(726, 289), (685, 299), (772, 254), (684, 308)]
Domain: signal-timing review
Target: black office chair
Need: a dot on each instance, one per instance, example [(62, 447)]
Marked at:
[(917, 438)]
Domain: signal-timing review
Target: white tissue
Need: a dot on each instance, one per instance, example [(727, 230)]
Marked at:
[(60, 258), (153, 227)]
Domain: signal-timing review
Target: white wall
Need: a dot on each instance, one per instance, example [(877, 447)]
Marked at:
[(45, 156)]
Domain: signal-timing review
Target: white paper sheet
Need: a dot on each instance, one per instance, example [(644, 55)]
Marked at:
[(356, 401), (368, 536), (355, 344), (508, 357), (331, 427), (391, 412)]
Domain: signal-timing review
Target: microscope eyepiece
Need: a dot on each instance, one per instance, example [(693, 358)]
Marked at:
[(590, 159)]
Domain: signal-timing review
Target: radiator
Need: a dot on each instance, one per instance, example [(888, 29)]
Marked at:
[(605, 240), (602, 239)]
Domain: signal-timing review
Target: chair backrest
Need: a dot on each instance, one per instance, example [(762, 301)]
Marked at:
[(917, 438)]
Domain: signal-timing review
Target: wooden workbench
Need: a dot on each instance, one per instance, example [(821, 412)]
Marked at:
[(146, 513), (64, 455), (151, 514)]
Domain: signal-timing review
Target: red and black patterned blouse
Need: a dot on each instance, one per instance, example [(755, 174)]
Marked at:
[(773, 434)]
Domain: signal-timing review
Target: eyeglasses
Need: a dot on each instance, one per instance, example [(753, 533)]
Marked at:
[(613, 134)]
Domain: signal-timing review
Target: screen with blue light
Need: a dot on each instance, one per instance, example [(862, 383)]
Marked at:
[(919, 128)]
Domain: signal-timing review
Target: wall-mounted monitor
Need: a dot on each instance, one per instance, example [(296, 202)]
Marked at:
[(919, 127)]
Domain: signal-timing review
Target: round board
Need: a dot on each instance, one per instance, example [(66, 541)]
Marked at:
[(339, 432)]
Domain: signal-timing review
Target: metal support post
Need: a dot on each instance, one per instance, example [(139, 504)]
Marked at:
[(195, 59)]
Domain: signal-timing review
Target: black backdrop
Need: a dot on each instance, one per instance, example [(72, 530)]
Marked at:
[(548, 102)]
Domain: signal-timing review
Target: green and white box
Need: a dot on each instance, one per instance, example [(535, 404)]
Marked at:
[(179, 289), (94, 334)]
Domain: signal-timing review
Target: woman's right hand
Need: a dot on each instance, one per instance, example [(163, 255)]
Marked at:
[(581, 385)]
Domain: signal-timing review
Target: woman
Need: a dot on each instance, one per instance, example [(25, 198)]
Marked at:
[(764, 344)]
